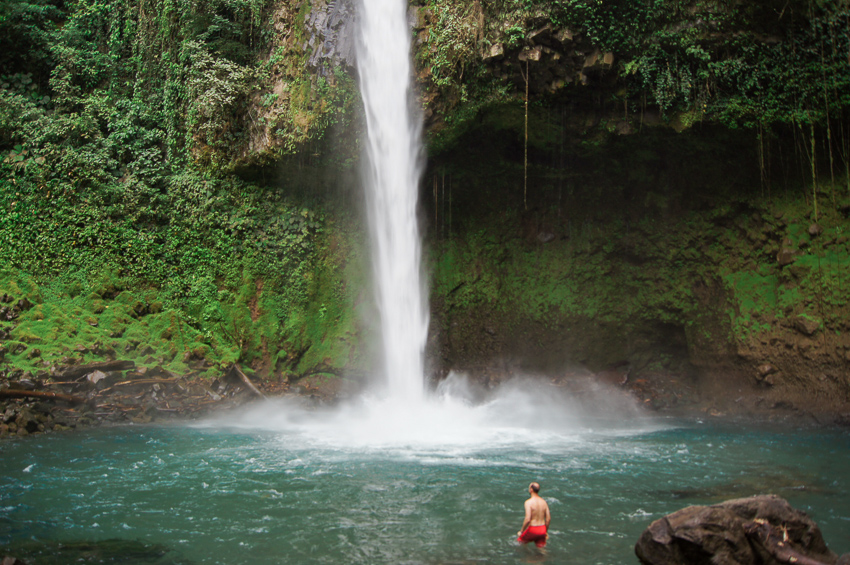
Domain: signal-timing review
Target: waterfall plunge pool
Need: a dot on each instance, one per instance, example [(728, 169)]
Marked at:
[(375, 483)]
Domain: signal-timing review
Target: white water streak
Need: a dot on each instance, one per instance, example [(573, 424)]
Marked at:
[(394, 151)]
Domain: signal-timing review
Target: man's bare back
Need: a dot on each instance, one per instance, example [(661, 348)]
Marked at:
[(535, 526)]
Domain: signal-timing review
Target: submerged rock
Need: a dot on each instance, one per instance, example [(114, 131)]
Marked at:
[(745, 531)]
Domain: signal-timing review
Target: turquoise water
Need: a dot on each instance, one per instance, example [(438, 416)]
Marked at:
[(281, 485)]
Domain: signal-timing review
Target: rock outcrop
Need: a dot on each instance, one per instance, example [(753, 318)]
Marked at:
[(746, 531)]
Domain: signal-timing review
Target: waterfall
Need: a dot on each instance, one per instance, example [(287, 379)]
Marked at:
[(392, 179)]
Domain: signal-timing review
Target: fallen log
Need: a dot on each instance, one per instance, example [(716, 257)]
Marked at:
[(248, 382), (137, 382), (10, 393), (71, 372)]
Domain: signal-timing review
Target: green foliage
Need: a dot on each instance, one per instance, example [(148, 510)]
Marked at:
[(229, 264), (119, 122), (668, 274), (740, 63), (452, 41), (26, 28), (216, 85), (23, 85)]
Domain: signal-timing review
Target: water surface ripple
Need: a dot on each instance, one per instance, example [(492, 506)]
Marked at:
[(279, 485)]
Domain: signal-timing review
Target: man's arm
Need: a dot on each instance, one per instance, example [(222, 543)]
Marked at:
[(527, 520), (547, 516)]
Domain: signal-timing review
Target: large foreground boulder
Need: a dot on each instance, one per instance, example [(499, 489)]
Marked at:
[(761, 530)]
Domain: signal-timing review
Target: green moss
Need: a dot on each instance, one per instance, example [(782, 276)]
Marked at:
[(305, 315)]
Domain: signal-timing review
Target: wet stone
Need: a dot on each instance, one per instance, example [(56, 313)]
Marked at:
[(806, 326)]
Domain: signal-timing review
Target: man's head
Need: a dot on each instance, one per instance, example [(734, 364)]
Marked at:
[(534, 487)]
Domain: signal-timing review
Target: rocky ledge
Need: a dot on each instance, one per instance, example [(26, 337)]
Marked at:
[(120, 392)]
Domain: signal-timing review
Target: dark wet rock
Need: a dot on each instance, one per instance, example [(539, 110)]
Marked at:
[(531, 54), (735, 532), (616, 374), (26, 420), (95, 377), (71, 372), (144, 416), (799, 272), (42, 551), (786, 256), (100, 396), (625, 128), (806, 326), (8, 314), (495, 53), (332, 29), (545, 237), (24, 384), (766, 375), (140, 373)]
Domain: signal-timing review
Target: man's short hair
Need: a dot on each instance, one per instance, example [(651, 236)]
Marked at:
[(535, 487)]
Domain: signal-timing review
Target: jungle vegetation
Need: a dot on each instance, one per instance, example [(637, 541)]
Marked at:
[(136, 135)]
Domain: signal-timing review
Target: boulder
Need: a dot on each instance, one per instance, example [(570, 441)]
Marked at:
[(786, 256), (746, 531), (806, 326), (531, 54), (495, 53)]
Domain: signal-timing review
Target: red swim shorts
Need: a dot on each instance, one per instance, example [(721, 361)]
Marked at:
[(537, 534)]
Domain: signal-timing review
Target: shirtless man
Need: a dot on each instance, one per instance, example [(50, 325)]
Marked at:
[(535, 526)]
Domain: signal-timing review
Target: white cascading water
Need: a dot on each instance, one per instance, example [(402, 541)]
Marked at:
[(394, 149), (460, 418)]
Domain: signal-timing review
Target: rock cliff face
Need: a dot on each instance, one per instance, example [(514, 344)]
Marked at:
[(618, 222), (652, 192), (599, 226)]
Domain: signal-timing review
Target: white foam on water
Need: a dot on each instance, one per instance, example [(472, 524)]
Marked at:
[(454, 422)]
